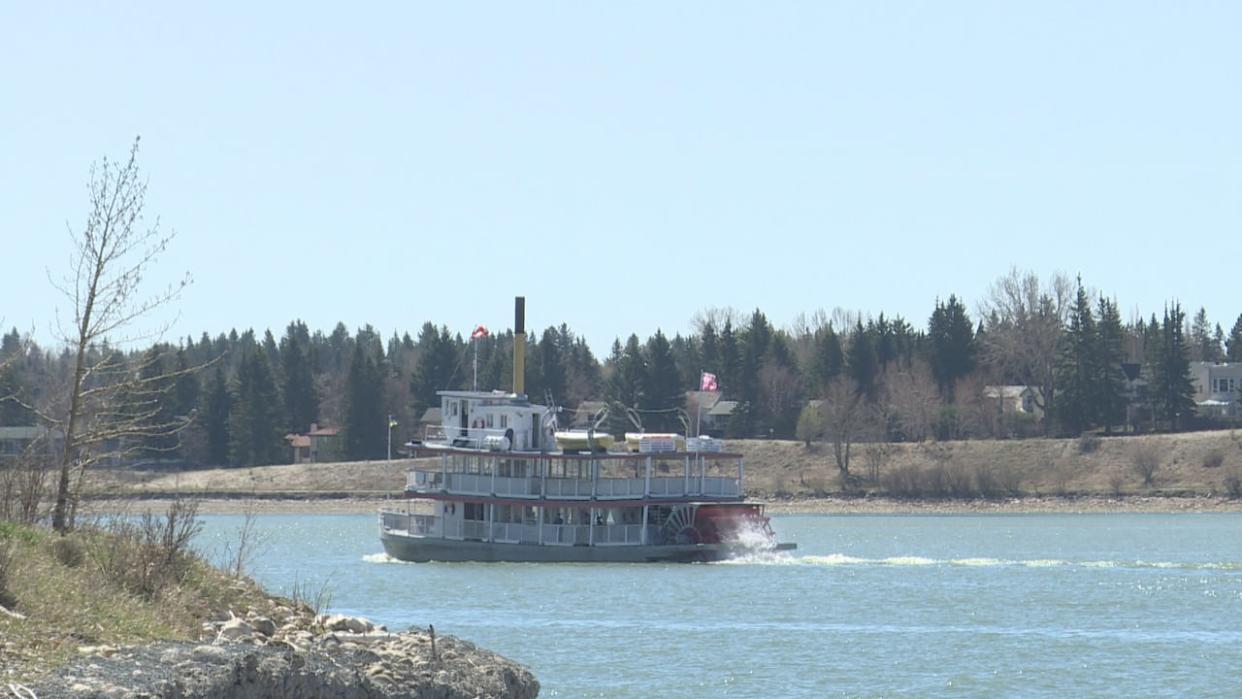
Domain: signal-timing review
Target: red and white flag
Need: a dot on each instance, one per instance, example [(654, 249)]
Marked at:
[(479, 332), (707, 382)]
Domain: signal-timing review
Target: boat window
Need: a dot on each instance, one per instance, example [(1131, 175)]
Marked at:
[(454, 408), (504, 421), (489, 420)]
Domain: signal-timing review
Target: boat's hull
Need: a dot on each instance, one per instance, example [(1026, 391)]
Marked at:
[(423, 549)]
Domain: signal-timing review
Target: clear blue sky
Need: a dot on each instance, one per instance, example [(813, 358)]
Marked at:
[(623, 165)]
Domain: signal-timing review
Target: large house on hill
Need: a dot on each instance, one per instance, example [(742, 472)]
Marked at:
[(1217, 388)]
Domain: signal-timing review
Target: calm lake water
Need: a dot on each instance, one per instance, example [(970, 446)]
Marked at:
[(1040, 605)]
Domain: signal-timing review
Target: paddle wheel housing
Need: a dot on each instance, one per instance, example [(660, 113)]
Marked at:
[(718, 523)]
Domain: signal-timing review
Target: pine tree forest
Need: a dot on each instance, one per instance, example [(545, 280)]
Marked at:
[(1064, 347)]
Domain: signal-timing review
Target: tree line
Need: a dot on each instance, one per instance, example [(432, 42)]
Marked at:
[(237, 395)]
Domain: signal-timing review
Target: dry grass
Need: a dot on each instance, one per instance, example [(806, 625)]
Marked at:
[(1029, 467), (71, 596)]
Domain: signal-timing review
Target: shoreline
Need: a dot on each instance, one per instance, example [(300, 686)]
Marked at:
[(341, 504)]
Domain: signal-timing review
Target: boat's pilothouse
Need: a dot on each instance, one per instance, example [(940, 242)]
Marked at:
[(491, 421), (505, 485)]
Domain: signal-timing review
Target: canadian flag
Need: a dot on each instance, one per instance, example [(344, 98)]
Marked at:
[(707, 382), (479, 332)]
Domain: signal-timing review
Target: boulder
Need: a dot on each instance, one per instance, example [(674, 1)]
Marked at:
[(236, 630), (264, 626)]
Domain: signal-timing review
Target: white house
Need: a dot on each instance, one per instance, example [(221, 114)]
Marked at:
[(1014, 399), (1217, 388)]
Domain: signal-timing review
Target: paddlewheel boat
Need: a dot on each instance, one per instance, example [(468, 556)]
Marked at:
[(493, 485)]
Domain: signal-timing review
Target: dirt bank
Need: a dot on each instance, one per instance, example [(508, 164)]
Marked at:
[(1191, 471)]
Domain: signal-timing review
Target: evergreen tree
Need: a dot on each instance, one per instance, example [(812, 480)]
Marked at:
[(551, 364), (688, 358), (626, 382), (1234, 343), (1077, 373), (14, 390), (1110, 384), (951, 343), (186, 386), (885, 341), (861, 362), (216, 420), (254, 425), (434, 370), (829, 359), (1204, 346), (158, 405), (1172, 390), (662, 389), (709, 349), (729, 358), (301, 399), (366, 422)]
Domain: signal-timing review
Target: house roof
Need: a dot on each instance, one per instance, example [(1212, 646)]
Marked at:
[(431, 416), (706, 399), (723, 408), (1005, 391), (324, 432), (32, 432), (298, 441)]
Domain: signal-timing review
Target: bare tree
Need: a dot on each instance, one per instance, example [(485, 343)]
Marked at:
[(108, 400), (1024, 319), (914, 398), (717, 316), (843, 411)]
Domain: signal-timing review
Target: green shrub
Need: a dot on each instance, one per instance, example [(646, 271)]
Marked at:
[(1089, 443), (6, 565), (1233, 485), (68, 550), (145, 555), (1146, 462)]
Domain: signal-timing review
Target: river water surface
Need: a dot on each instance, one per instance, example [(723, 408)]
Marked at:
[(989, 605)]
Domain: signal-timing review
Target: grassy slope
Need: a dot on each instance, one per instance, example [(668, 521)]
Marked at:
[(68, 602), (1038, 466)]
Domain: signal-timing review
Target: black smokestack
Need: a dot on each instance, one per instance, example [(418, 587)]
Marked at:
[(519, 345)]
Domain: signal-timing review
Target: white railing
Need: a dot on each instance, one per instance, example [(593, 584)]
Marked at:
[(620, 487), (394, 521), (567, 488), (618, 535), (473, 483), (605, 488), (473, 437), (718, 486), (515, 533), (414, 525), (516, 487), (416, 479), (668, 486), (471, 529), (566, 534)]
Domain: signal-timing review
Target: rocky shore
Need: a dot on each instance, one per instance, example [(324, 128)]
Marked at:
[(335, 657)]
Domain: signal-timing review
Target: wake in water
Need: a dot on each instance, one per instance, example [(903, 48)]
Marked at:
[(838, 559), (382, 558)]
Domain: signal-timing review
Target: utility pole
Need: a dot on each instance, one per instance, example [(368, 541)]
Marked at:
[(391, 424)]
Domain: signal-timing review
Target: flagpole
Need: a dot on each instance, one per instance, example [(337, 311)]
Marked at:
[(475, 342)]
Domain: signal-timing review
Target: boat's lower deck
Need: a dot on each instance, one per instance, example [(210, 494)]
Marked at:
[(403, 546)]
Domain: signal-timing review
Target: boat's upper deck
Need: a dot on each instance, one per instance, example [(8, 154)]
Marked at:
[(574, 477)]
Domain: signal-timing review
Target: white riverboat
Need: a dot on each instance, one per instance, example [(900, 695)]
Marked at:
[(491, 484)]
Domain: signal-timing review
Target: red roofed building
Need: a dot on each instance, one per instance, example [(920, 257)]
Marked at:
[(318, 445)]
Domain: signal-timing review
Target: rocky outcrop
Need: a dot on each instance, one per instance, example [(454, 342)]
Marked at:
[(333, 658)]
